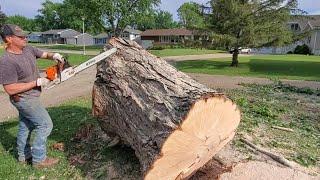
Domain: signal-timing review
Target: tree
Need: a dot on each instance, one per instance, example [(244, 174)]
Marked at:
[(60, 16), (2, 17), (247, 23), (145, 21), (155, 20), (24, 22), (112, 15), (48, 16), (191, 16), (164, 20)]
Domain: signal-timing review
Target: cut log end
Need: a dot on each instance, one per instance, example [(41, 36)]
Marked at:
[(209, 125)]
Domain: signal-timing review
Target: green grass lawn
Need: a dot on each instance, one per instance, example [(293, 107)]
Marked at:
[(85, 150), (67, 118), (74, 59), (269, 66), (181, 52)]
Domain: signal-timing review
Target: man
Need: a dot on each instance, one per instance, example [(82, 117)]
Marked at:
[(20, 79)]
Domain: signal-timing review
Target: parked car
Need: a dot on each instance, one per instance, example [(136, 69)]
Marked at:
[(241, 50)]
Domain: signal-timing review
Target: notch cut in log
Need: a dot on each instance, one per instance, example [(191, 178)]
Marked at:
[(174, 124)]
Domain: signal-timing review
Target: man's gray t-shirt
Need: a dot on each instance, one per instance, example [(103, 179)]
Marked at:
[(21, 68)]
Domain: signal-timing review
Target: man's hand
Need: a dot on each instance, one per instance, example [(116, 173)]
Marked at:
[(58, 57), (43, 82)]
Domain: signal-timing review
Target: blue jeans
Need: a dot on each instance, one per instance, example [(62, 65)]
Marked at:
[(32, 116)]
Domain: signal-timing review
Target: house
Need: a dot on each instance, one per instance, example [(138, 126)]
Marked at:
[(128, 33), (310, 23), (167, 36), (35, 37), (80, 39), (58, 36), (101, 39)]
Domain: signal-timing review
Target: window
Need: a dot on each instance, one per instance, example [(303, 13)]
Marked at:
[(164, 39), (309, 39), (294, 27)]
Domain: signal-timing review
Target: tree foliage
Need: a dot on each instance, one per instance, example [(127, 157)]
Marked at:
[(191, 16), (112, 15), (2, 17), (104, 15), (25, 23), (247, 23), (50, 16), (164, 20), (155, 20)]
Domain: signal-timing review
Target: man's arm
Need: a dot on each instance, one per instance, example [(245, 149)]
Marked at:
[(52, 56), (47, 55), (16, 88)]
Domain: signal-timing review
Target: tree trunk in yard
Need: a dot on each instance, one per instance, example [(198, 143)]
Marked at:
[(174, 124), (235, 55)]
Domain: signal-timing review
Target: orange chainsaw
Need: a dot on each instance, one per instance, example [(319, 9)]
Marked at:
[(54, 72), (63, 71)]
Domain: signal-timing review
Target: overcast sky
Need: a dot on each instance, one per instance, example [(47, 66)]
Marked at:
[(29, 8)]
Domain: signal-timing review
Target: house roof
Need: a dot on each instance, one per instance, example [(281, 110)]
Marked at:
[(59, 31), (310, 20), (35, 33), (132, 31), (167, 32), (101, 35), (54, 31), (79, 35), (315, 21)]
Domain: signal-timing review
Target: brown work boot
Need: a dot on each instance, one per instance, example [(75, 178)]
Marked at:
[(48, 162)]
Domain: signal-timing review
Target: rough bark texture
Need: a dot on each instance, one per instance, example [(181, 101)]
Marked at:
[(143, 100)]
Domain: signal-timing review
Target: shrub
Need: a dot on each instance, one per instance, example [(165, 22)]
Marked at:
[(157, 48), (289, 52), (303, 49)]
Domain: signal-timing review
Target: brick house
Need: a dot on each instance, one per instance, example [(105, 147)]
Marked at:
[(167, 36)]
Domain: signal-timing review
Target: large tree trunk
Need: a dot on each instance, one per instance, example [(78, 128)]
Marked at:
[(174, 124)]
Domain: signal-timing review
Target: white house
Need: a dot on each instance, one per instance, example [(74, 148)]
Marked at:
[(80, 39), (131, 34), (128, 33), (58, 36), (299, 25)]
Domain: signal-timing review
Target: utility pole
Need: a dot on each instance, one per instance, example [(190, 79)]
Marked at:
[(84, 43)]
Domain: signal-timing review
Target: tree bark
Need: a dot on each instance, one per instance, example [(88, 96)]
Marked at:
[(174, 124)]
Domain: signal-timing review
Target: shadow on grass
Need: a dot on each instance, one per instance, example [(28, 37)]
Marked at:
[(67, 121), (285, 68), (203, 64)]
